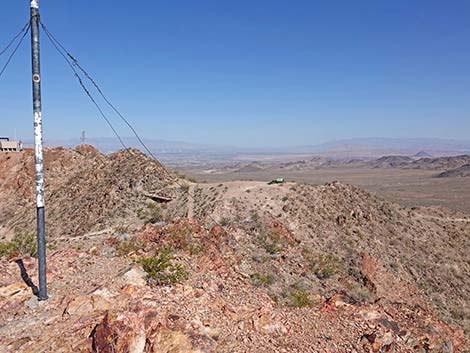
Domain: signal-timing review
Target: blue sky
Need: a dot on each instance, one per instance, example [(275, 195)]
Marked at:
[(253, 73)]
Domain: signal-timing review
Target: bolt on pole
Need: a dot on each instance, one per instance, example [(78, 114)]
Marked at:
[(38, 149)]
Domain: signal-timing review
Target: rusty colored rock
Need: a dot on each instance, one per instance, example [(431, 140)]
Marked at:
[(257, 285), (104, 337)]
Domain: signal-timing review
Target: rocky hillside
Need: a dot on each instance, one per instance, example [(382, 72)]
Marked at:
[(85, 190), (440, 163), (463, 171), (333, 225), (391, 162), (419, 161), (232, 267), (428, 163)]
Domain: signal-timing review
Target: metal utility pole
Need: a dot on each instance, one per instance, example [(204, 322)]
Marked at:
[(36, 78)]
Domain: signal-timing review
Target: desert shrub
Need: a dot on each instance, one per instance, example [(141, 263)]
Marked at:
[(299, 298), (359, 294), (194, 249), (5, 249), (161, 268), (271, 241), (225, 221), (254, 216), (151, 214), (127, 247), (24, 244), (52, 245), (324, 265), (184, 188), (262, 280), (179, 174), (140, 212), (154, 213), (182, 238)]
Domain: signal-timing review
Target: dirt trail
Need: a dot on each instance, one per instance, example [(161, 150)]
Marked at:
[(331, 266)]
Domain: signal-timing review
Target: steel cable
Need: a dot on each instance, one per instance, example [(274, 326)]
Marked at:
[(71, 61), (87, 75), (85, 89), (25, 31), (3, 51)]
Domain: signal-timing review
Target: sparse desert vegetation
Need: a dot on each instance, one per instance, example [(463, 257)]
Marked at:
[(22, 244), (223, 262), (162, 269)]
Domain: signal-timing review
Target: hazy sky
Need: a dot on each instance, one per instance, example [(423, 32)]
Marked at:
[(249, 72)]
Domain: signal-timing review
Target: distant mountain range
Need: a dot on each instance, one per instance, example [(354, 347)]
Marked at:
[(437, 163), (377, 147), (361, 148), (422, 154), (449, 166)]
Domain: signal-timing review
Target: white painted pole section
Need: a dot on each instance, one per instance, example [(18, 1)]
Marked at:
[(38, 147)]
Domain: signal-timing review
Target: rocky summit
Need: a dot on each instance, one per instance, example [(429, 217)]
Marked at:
[(144, 260)]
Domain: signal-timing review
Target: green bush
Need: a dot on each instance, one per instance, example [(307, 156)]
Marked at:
[(152, 214), (324, 265), (258, 279), (299, 298), (5, 249), (140, 212), (24, 244), (126, 247), (161, 269)]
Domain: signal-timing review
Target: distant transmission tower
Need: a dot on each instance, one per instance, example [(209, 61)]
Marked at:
[(82, 137)]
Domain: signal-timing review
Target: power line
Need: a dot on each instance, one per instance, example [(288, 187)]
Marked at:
[(14, 38), (85, 89), (25, 31), (72, 62), (88, 76)]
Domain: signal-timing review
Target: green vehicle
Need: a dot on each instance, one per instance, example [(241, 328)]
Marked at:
[(277, 181)]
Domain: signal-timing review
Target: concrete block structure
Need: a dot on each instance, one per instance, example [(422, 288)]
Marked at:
[(7, 145)]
